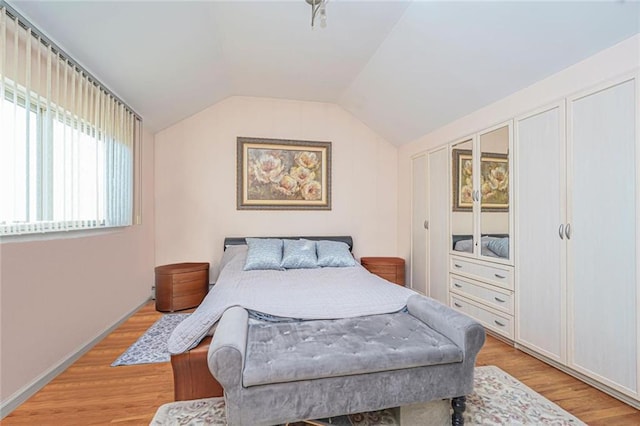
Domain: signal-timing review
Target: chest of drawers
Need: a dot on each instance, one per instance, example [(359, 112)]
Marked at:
[(181, 285), (389, 268)]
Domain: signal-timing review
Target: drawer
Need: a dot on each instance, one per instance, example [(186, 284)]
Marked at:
[(186, 288), (389, 277), (496, 298), (187, 301), (382, 269), (499, 275), (191, 276), (501, 324)]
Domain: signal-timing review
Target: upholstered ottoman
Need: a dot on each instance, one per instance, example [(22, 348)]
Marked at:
[(282, 372)]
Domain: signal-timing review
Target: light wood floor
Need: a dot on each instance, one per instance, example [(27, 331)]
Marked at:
[(90, 392)]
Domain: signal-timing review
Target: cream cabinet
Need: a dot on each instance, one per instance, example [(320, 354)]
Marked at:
[(418, 261), (577, 225), (540, 203), (601, 235), (481, 243), (430, 225), (483, 291), (438, 225)]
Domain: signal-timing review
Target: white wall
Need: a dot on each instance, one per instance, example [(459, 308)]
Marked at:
[(196, 180), (58, 295), (609, 63)]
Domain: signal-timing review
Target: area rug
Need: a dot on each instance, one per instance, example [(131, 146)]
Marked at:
[(152, 345), (497, 399)]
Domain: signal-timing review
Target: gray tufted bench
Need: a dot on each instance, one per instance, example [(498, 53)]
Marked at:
[(282, 372)]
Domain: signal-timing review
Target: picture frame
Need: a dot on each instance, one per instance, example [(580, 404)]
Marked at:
[(494, 181), (282, 174)]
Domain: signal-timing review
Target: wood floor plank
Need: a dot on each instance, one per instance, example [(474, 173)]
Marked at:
[(91, 392)]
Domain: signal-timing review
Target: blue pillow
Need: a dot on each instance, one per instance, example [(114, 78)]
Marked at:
[(299, 254), (264, 253), (334, 253), (499, 246)]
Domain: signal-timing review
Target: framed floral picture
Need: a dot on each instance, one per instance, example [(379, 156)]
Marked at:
[(494, 181), (276, 174)]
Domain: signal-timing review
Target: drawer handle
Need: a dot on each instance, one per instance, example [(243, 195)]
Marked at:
[(457, 266), (498, 323), (499, 300), (457, 285), (457, 305), (500, 276)]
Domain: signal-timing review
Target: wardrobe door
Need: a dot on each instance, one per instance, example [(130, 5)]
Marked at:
[(419, 224), (602, 235), (438, 232), (540, 248)]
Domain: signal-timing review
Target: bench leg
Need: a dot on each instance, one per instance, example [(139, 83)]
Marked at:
[(458, 404)]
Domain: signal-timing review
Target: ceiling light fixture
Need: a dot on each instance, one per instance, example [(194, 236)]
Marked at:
[(318, 10)]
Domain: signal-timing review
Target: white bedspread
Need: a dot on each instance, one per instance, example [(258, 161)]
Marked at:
[(323, 293)]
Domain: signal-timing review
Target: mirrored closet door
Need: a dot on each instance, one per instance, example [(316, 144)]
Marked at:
[(494, 193), (481, 219), (463, 197)]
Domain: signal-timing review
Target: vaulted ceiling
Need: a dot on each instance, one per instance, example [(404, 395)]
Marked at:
[(402, 67)]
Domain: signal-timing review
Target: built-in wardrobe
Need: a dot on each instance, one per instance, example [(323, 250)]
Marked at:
[(542, 232), (577, 234)]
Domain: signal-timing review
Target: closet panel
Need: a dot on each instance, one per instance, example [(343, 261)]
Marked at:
[(540, 251), (602, 232), (418, 224), (438, 232)]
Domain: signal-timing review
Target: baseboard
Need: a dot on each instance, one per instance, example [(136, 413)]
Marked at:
[(588, 380), (500, 337), (20, 396)]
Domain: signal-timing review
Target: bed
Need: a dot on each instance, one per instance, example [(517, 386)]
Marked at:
[(276, 319)]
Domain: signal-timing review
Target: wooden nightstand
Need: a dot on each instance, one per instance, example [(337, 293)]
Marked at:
[(389, 268), (181, 285)]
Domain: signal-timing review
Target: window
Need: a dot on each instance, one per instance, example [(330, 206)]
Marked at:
[(67, 145)]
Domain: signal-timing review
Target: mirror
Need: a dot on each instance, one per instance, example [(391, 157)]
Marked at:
[(462, 200), (494, 193)]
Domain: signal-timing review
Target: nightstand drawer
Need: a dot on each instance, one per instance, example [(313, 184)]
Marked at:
[(501, 324), (188, 277), (185, 288), (382, 269), (499, 299), (187, 300), (499, 275)]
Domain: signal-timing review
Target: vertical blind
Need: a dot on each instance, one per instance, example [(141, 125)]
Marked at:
[(68, 146)]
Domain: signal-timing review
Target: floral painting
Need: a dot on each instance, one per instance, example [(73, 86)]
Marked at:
[(283, 174), (494, 181)]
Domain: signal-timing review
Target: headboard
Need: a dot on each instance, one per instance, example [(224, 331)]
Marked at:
[(235, 241)]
